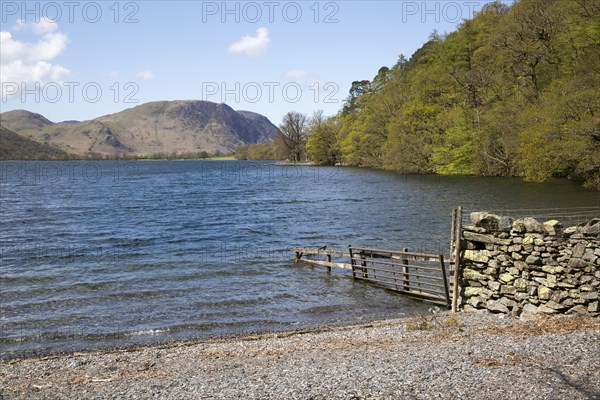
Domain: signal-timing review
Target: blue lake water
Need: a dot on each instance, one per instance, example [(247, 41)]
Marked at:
[(102, 253)]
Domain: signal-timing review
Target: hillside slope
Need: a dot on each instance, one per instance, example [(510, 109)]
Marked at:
[(17, 147), (164, 127)]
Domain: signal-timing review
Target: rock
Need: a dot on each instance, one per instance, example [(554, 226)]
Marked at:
[(476, 302), (518, 227), (554, 305), (508, 302), (544, 293), (472, 291), (589, 296), (515, 247), (552, 270), (485, 220), (505, 224), (578, 250), (568, 302), (551, 281), (491, 239), (577, 263), (507, 289), (559, 296), (564, 285), (546, 310), (571, 230), (586, 288), (494, 285), (475, 255), (593, 307), (533, 225), (530, 308), (553, 227), (472, 274), (521, 265), (520, 283), (521, 296), (533, 260), (592, 227), (532, 290), (578, 310), (589, 255), (496, 306), (506, 277)]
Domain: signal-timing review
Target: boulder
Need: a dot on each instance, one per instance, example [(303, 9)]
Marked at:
[(472, 291), (577, 263), (571, 230), (553, 227), (518, 226), (530, 308), (592, 227), (475, 255), (491, 239), (544, 293), (578, 250), (551, 307), (496, 306), (506, 277), (552, 270), (471, 274), (533, 260), (486, 220), (507, 289), (533, 225), (579, 310)]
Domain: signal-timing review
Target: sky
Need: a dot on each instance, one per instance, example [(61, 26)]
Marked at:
[(72, 60)]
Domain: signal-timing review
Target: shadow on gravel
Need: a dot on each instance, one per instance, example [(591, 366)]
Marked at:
[(581, 385)]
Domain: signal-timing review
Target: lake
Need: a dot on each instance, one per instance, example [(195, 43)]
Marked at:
[(99, 254)]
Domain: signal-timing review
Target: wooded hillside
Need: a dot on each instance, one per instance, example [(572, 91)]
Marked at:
[(513, 92)]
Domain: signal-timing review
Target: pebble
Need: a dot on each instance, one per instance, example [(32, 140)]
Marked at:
[(474, 356)]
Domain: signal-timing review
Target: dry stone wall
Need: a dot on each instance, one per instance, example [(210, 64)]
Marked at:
[(523, 265)]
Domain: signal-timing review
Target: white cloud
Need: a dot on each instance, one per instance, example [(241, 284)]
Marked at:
[(145, 75), (294, 75), (23, 62), (40, 27), (253, 46)]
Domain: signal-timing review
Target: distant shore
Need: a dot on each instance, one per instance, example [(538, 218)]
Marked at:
[(438, 356)]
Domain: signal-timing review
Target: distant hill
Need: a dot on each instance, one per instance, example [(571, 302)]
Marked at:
[(20, 120), (166, 127), (17, 147)]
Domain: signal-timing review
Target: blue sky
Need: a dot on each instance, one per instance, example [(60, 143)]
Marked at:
[(80, 60)]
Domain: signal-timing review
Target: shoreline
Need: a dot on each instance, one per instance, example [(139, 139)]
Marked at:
[(469, 355)]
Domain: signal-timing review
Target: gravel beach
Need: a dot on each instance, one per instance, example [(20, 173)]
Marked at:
[(472, 356)]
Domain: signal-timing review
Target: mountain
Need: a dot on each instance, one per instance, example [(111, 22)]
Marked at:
[(21, 120), (17, 147), (163, 127)]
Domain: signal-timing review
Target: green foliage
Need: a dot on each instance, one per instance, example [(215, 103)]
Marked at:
[(260, 151), (322, 146), (512, 92), (17, 147)]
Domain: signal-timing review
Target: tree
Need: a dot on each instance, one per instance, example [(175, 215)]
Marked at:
[(291, 136), (322, 146)]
